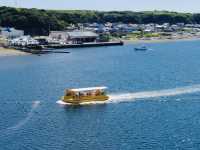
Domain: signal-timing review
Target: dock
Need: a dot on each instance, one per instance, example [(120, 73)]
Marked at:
[(47, 51), (58, 46), (55, 51), (38, 51), (53, 48)]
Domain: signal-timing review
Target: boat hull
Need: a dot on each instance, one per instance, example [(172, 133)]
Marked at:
[(140, 49), (85, 99)]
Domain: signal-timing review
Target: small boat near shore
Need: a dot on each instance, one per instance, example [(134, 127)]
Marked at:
[(143, 48), (85, 95)]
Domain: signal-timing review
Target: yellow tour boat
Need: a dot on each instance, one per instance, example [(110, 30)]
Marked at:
[(85, 95)]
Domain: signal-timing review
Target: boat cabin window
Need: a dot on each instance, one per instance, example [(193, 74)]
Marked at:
[(83, 94), (97, 92), (69, 93), (103, 92)]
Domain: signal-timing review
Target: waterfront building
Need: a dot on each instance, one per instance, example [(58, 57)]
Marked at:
[(77, 37), (74, 37), (11, 33), (60, 36), (23, 41), (42, 40), (3, 41)]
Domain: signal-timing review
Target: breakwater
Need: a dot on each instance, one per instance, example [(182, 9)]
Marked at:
[(59, 46)]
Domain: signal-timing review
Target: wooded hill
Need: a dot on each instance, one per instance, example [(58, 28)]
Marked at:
[(39, 22)]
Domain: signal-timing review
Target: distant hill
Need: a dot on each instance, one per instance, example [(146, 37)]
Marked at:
[(39, 22)]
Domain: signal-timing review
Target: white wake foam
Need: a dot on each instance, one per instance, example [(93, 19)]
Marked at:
[(85, 103), (27, 118), (126, 97), (153, 94)]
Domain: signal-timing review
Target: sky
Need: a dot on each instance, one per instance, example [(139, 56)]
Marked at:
[(108, 5)]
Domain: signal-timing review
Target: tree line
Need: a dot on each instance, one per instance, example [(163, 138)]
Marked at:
[(40, 22)]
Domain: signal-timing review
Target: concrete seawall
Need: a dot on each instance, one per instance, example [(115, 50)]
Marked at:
[(52, 48), (57, 46)]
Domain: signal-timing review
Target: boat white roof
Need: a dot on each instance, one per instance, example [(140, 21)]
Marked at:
[(88, 89)]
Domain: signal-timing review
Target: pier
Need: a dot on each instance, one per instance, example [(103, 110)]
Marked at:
[(53, 48), (58, 46)]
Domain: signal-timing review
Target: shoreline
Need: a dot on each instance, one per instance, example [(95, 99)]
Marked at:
[(4, 52), (140, 41), (11, 52)]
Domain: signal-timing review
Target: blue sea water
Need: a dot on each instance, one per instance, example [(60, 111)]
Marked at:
[(159, 107)]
